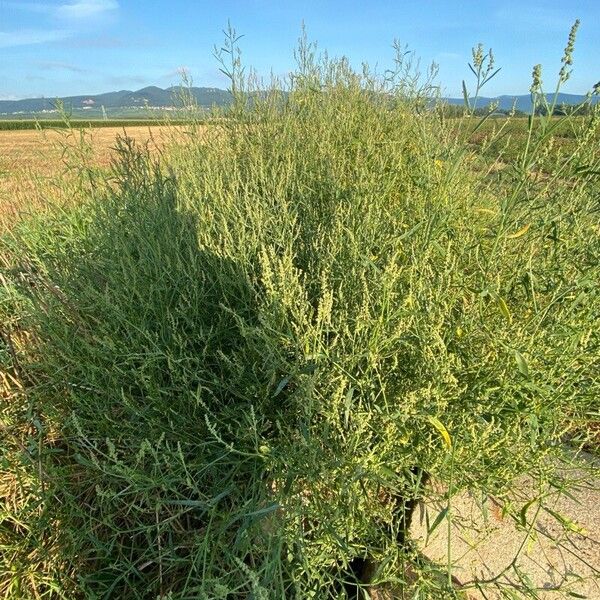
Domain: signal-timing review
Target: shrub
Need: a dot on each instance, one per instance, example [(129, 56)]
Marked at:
[(247, 359)]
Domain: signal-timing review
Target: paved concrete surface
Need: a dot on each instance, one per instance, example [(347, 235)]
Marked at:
[(561, 561)]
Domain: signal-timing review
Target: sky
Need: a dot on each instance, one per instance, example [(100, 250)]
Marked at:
[(68, 47)]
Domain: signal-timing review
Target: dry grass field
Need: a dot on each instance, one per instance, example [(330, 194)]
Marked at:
[(33, 162)]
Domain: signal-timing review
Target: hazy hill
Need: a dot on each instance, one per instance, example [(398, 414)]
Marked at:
[(523, 102), (151, 96), (155, 97)]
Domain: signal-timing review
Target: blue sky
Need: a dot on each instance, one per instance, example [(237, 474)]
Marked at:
[(65, 47)]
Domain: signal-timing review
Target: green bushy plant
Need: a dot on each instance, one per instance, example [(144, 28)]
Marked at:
[(249, 357)]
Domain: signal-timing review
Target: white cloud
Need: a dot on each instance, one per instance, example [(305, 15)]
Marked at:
[(101, 41), (86, 9), (27, 37), (60, 66), (178, 72), (71, 9)]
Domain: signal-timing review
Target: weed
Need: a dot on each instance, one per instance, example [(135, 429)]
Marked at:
[(247, 358)]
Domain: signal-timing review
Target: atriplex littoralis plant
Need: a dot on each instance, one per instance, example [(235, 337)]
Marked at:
[(247, 362)]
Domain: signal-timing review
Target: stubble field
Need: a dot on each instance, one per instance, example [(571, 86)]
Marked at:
[(35, 164)]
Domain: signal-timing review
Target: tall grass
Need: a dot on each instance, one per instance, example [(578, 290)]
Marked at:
[(246, 359)]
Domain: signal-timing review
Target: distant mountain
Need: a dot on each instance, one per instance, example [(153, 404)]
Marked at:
[(151, 97), (523, 102)]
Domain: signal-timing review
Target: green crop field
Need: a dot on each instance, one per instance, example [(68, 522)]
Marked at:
[(28, 124), (504, 139), (234, 363)]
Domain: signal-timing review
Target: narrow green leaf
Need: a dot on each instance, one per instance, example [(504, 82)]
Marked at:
[(348, 405), (465, 94), (566, 522), (504, 309), (523, 512), (280, 387), (264, 511), (441, 516), (190, 503), (533, 429), (492, 75), (521, 363), (519, 233), (442, 431)]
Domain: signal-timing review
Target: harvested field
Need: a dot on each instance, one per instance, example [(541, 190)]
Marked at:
[(32, 160)]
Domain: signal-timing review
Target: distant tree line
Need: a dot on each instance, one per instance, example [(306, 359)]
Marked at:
[(583, 109), (460, 110)]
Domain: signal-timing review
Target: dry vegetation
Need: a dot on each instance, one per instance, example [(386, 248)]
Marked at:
[(34, 163)]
